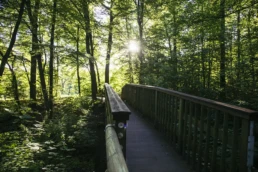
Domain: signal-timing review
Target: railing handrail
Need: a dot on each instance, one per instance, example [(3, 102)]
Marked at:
[(117, 115), (115, 159), (232, 109), (116, 104)]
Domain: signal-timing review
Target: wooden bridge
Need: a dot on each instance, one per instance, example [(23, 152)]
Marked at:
[(165, 131)]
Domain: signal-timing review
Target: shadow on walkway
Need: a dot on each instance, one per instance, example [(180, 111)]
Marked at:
[(147, 150)]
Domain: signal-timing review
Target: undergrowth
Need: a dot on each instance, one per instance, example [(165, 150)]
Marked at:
[(65, 143)]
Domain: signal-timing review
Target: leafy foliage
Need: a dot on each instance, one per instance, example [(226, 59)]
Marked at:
[(65, 143)]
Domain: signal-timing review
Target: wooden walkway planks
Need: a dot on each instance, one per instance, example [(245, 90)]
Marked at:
[(148, 151)]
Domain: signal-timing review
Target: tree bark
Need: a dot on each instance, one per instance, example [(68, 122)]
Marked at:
[(129, 54), (14, 84), (33, 16), (222, 51), (174, 13), (51, 60), (238, 49), (98, 76), (89, 50), (110, 42), (43, 81), (202, 53), (251, 52), (77, 60), (13, 39), (140, 13)]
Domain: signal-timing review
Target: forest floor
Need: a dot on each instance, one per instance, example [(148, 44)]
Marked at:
[(72, 141)]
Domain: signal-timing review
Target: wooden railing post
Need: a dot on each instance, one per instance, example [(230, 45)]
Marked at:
[(117, 115), (155, 104), (181, 124)]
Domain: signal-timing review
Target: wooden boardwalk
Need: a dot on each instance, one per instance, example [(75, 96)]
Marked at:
[(148, 151)]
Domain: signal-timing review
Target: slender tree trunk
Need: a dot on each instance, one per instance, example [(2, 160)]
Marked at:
[(13, 39), (109, 47), (98, 76), (140, 13), (203, 58), (251, 52), (222, 51), (14, 84), (51, 61), (238, 50), (202, 53), (89, 50), (33, 16), (129, 54), (26, 71), (209, 71), (175, 70), (36, 56), (57, 75), (43, 81), (77, 60)]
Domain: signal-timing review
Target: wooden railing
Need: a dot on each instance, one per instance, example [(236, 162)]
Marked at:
[(211, 136), (117, 115)]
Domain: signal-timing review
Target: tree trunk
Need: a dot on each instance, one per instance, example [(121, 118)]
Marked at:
[(129, 54), (25, 69), (222, 51), (202, 54), (33, 16), (238, 50), (98, 76), (77, 60), (174, 13), (89, 50), (109, 47), (251, 52), (13, 39), (43, 82), (14, 84), (140, 13), (51, 60)]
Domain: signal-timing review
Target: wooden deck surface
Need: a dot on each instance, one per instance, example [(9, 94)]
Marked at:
[(147, 151)]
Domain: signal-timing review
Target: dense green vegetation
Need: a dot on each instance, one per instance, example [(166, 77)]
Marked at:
[(51, 49), (206, 48), (68, 142)]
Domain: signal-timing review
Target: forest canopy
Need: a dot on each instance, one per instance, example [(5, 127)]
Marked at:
[(55, 48)]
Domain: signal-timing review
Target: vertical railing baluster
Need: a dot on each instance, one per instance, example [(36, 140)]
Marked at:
[(224, 142), (176, 127), (166, 113), (156, 108), (168, 116), (215, 143), (189, 145), (162, 109), (244, 150), (207, 143), (196, 126), (234, 144), (181, 125), (172, 119), (203, 113), (186, 111)]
